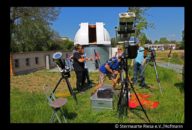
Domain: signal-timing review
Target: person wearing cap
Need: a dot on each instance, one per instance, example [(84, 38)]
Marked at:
[(139, 62)]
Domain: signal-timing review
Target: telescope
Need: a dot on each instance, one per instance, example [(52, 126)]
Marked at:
[(65, 73), (63, 68)]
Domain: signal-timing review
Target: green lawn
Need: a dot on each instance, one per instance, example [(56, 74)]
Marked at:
[(29, 105), (177, 56)]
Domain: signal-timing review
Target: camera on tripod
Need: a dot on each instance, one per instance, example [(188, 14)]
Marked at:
[(150, 54), (126, 24), (63, 68), (125, 30), (126, 34)]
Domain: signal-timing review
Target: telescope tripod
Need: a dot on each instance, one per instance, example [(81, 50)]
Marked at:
[(66, 78), (123, 102), (155, 68)]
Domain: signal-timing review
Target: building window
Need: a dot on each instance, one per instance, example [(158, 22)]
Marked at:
[(16, 61), (27, 61), (36, 60)]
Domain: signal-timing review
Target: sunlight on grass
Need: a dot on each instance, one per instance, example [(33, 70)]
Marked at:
[(29, 104), (177, 56)]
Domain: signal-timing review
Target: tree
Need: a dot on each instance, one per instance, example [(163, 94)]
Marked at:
[(60, 44), (173, 41), (141, 21), (183, 36), (181, 44), (30, 28), (143, 38), (156, 42), (148, 41), (163, 40), (183, 40), (68, 45)]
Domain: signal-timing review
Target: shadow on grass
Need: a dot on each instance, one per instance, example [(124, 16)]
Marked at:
[(69, 115), (136, 112), (86, 87), (180, 86)]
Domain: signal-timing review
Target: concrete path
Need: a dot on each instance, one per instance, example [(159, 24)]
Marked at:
[(176, 67)]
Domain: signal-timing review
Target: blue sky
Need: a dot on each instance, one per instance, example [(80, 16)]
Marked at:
[(168, 21)]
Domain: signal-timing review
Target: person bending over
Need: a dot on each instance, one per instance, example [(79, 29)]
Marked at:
[(109, 69)]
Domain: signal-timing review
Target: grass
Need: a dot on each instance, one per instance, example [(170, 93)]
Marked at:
[(177, 57), (28, 103)]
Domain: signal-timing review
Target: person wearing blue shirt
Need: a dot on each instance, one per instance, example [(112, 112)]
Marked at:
[(139, 62), (109, 69)]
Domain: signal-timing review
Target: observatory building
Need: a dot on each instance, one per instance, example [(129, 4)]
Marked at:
[(94, 39)]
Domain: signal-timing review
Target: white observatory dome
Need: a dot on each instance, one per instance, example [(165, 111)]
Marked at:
[(92, 34)]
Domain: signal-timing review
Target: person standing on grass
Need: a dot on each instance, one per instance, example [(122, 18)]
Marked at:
[(78, 65), (86, 71), (139, 62)]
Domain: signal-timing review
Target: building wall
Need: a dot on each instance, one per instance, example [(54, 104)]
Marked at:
[(36, 60), (160, 46), (114, 51)]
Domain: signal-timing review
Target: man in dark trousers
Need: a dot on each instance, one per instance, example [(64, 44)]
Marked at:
[(78, 64), (138, 63), (86, 69)]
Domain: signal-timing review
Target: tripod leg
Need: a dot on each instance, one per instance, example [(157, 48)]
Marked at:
[(123, 97), (126, 103), (63, 115), (157, 77), (120, 107), (57, 116), (122, 102), (70, 90), (140, 103), (57, 84), (52, 117), (144, 68)]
